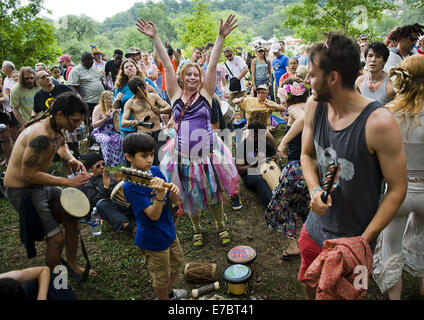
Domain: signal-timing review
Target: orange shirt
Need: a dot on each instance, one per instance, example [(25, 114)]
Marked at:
[(161, 69)]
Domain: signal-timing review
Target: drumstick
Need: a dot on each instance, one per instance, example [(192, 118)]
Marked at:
[(144, 96), (195, 293)]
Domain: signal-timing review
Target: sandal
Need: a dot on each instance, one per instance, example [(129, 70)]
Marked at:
[(198, 240), (224, 238)]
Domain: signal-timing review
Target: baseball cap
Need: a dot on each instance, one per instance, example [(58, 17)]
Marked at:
[(262, 86), (64, 57), (260, 48), (91, 159), (275, 47)]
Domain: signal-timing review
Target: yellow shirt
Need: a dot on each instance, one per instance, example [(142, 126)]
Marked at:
[(252, 107)]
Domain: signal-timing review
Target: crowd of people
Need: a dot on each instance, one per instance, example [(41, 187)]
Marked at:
[(352, 172)]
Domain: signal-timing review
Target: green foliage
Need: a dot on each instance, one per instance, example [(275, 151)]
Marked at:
[(351, 17), (25, 38), (197, 27)]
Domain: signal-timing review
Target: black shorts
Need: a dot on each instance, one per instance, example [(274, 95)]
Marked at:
[(4, 118)]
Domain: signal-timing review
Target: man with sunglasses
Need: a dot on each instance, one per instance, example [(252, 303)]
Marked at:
[(235, 67), (22, 95), (407, 37), (98, 191)]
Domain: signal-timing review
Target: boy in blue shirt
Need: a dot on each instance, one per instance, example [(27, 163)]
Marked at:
[(156, 236)]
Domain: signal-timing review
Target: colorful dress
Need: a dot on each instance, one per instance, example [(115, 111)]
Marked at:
[(290, 196), (203, 169), (110, 142)]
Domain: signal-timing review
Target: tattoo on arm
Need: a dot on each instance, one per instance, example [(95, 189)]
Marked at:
[(38, 144)]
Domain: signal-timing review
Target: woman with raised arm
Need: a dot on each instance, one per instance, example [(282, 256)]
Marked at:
[(203, 169)]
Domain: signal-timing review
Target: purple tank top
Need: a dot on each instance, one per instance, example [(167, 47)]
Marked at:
[(195, 135)]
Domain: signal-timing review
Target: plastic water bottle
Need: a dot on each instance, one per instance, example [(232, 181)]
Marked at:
[(96, 223)]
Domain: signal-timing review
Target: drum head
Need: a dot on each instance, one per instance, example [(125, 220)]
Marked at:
[(75, 202), (116, 121), (241, 255), (237, 273)]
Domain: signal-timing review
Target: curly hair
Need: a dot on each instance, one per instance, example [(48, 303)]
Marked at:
[(104, 103), (409, 77), (405, 31), (122, 78)]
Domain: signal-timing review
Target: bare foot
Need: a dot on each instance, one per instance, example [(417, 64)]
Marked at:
[(80, 270)]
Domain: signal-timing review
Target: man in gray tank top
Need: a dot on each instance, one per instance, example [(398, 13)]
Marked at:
[(375, 83), (363, 138)]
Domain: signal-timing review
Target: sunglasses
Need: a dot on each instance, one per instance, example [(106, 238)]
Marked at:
[(413, 39), (100, 165), (364, 39), (29, 78)]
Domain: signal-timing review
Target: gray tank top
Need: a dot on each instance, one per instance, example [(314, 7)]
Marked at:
[(356, 198), (380, 95), (413, 140), (261, 70)]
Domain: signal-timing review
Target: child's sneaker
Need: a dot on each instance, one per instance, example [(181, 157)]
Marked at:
[(179, 294), (236, 202)]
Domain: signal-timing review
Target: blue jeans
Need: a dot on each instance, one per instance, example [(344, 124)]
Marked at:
[(259, 186), (114, 213)]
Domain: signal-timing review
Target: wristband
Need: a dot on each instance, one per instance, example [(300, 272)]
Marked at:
[(315, 189)]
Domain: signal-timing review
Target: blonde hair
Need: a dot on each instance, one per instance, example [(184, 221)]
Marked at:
[(409, 77), (122, 78), (104, 103), (184, 69)]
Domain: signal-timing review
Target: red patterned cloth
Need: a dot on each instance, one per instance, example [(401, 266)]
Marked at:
[(332, 272)]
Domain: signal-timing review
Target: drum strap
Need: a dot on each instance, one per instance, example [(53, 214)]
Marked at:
[(75, 276)]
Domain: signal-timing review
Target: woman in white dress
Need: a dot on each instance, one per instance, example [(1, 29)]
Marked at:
[(401, 244)]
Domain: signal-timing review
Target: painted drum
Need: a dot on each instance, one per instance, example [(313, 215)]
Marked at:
[(236, 277), (242, 255)]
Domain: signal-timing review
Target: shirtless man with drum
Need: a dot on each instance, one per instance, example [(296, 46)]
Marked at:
[(28, 168), (145, 107)]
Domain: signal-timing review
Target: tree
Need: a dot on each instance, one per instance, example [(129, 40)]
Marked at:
[(25, 38), (197, 27), (76, 27), (351, 17)]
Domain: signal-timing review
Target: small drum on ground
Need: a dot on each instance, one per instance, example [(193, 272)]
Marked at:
[(200, 272), (116, 118), (72, 203), (118, 194), (270, 172), (227, 111), (242, 255), (237, 277)]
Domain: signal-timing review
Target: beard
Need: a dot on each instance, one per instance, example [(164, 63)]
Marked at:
[(323, 93)]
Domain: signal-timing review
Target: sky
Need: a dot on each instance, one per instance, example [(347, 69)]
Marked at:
[(98, 10)]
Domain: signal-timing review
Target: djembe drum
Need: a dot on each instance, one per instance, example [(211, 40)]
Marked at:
[(200, 272), (270, 172), (72, 204), (118, 194)]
